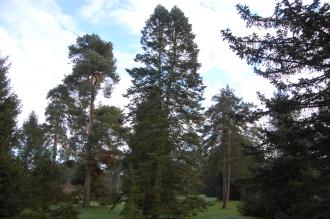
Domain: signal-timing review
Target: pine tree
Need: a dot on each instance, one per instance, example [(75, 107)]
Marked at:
[(166, 113), (10, 171), (293, 182), (225, 133), (94, 68)]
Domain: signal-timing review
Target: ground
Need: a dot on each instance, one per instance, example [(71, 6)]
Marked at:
[(213, 212)]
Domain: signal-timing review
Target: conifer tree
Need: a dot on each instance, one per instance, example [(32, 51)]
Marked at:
[(225, 134), (43, 176), (166, 113), (293, 181), (57, 112), (31, 142), (94, 69), (10, 173)]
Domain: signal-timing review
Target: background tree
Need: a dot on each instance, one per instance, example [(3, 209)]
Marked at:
[(57, 112), (166, 114), (11, 173), (94, 68), (31, 142), (293, 182), (225, 134)]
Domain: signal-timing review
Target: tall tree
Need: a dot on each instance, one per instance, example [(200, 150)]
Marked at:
[(293, 182), (94, 68), (166, 113), (10, 180), (225, 134), (57, 113)]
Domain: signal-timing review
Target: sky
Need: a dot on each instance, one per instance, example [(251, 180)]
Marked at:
[(35, 35)]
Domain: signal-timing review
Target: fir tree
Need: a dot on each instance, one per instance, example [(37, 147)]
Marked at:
[(31, 142), (166, 112), (11, 179), (293, 182), (43, 175)]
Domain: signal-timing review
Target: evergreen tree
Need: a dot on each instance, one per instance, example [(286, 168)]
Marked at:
[(165, 109), (31, 142), (43, 176), (94, 68), (57, 113), (225, 134), (10, 171), (294, 180)]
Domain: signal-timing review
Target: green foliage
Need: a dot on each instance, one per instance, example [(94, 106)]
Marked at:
[(228, 114), (12, 186), (64, 211), (93, 60), (42, 175), (60, 106), (11, 172), (94, 68), (32, 138), (165, 113), (102, 191), (9, 109), (213, 211), (293, 179)]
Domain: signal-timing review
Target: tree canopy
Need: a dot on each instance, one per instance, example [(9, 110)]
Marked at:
[(294, 56)]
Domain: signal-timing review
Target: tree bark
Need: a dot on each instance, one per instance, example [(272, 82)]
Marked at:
[(226, 174), (88, 161), (55, 148)]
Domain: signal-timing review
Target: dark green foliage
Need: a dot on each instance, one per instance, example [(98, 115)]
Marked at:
[(12, 186), (9, 109), (63, 211), (102, 190), (32, 139), (165, 111), (11, 173), (60, 106), (293, 181), (43, 177), (93, 60), (131, 208), (226, 132)]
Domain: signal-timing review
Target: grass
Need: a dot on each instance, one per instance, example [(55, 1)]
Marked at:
[(98, 212), (213, 212)]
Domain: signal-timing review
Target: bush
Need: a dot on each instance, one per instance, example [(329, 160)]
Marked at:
[(33, 214), (64, 212), (54, 212)]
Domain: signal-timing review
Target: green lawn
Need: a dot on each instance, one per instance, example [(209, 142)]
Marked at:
[(216, 212), (213, 212)]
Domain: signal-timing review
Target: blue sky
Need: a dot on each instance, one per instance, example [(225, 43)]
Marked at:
[(35, 34)]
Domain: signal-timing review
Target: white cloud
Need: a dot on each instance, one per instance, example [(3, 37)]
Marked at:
[(207, 17), (36, 35), (124, 60), (36, 40)]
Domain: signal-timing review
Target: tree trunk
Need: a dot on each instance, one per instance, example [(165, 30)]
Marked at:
[(55, 148), (226, 174), (88, 161)]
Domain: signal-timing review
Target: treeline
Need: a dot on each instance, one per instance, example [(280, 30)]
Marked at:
[(168, 149)]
